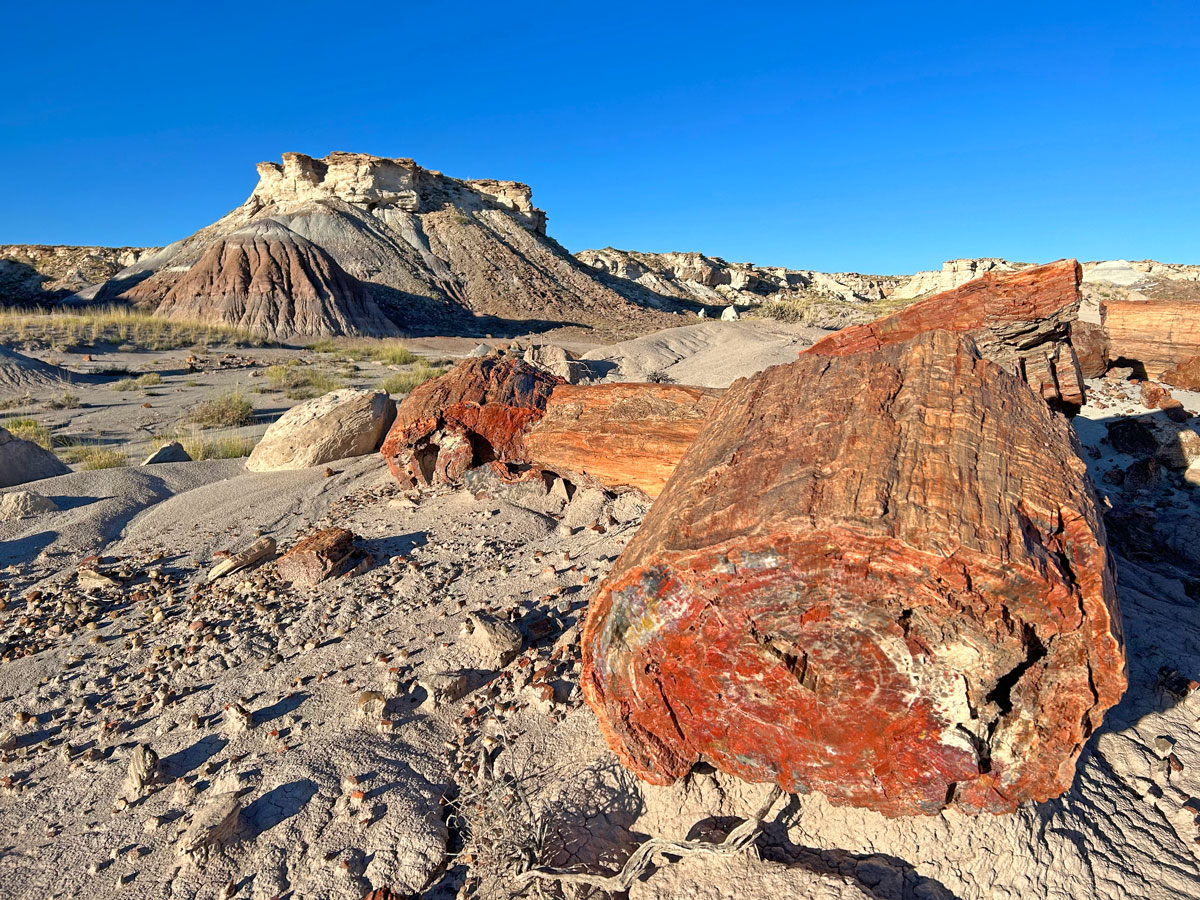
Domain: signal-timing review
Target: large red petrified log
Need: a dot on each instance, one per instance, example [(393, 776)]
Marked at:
[(621, 436), (1160, 334), (1020, 320), (476, 413), (881, 576)]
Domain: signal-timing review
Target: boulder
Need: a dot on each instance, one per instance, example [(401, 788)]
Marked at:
[(557, 361), (1091, 348), (22, 461), (168, 453), (620, 436), (1157, 334), (23, 505), (476, 413), (882, 576), (730, 314), (1021, 320), (1185, 375), (342, 423)]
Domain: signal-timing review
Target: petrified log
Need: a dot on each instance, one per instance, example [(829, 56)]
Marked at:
[(476, 413), (1185, 375), (317, 556), (1021, 320), (620, 436), (881, 576), (1159, 334), (261, 549), (1091, 348)]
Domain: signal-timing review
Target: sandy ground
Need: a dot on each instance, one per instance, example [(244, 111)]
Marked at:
[(257, 698)]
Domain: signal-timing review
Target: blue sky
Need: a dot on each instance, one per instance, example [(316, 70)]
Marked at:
[(856, 136)]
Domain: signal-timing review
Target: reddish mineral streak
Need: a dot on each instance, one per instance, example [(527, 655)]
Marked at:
[(476, 413), (1020, 320), (881, 576)]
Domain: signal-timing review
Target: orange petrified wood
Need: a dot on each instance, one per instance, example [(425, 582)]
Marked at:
[(881, 576), (1021, 320), (620, 436), (1159, 334)]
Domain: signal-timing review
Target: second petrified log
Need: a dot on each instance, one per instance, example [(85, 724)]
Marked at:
[(620, 436), (1021, 320), (1159, 334), (881, 576), (476, 413)]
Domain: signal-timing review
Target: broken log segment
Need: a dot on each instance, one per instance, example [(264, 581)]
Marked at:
[(1158, 334), (619, 436), (317, 556), (476, 413), (1020, 320), (881, 576), (261, 549)]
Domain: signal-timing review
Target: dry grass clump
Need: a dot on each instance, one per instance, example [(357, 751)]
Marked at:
[(404, 382), (88, 326), (91, 455), (299, 382), (391, 353), (149, 380), (28, 429), (199, 446), (227, 411), (66, 400)]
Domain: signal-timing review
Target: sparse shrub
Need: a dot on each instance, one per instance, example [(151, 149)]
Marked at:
[(660, 376), (404, 382), (228, 411), (122, 326), (300, 383), (28, 429), (93, 457), (149, 380), (322, 345), (66, 400), (396, 355)]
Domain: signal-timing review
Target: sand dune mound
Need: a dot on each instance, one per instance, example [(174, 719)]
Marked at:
[(21, 374), (269, 280)]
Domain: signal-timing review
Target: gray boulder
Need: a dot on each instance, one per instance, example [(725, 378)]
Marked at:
[(168, 453), (23, 505), (22, 461), (557, 361), (341, 424)]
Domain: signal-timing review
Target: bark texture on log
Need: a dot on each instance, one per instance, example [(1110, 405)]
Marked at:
[(882, 577), (1020, 320), (476, 413), (1160, 334), (317, 556), (619, 436), (1091, 347)]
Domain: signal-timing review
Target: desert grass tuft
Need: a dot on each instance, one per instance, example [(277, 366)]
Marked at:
[(300, 382), (227, 411), (28, 429), (88, 326), (404, 382)]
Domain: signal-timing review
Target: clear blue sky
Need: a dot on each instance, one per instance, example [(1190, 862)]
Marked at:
[(877, 137)]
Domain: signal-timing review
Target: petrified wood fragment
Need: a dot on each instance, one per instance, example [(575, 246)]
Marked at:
[(1159, 334), (621, 436), (317, 556), (476, 413), (881, 576), (1021, 320)]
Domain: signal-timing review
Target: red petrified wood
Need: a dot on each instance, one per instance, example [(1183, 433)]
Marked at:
[(1020, 320), (476, 413), (881, 576), (620, 436)]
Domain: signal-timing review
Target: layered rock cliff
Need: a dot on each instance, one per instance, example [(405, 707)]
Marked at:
[(39, 273), (433, 252)]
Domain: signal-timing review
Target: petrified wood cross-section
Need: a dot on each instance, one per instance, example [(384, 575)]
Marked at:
[(881, 576)]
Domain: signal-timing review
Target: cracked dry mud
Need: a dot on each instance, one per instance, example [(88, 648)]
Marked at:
[(299, 753)]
